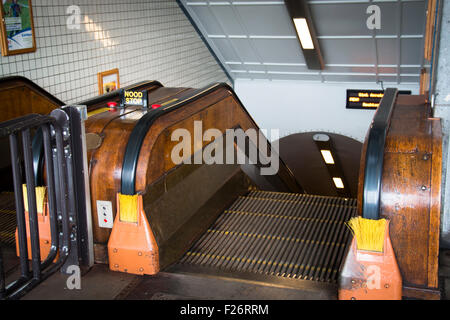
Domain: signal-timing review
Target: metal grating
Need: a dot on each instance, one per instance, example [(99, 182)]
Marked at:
[(7, 219), (283, 234)]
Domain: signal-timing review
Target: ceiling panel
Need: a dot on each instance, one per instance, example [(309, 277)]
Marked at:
[(256, 39), (349, 78), (226, 17), (387, 51), (245, 49), (293, 76), (293, 67), (226, 50), (349, 19), (208, 20), (353, 69), (409, 54), (348, 51), (279, 50), (413, 18), (267, 20)]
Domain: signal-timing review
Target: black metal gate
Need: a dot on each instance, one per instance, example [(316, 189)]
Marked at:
[(61, 136)]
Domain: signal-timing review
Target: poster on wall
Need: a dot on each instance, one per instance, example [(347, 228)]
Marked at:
[(108, 81), (17, 28)]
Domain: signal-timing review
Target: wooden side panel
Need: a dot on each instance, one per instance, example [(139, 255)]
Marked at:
[(219, 110), (18, 101), (435, 203), (411, 186), (222, 114), (407, 206), (431, 22), (106, 161), (105, 167)]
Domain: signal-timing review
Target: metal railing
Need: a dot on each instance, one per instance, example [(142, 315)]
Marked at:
[(64, 175), (375, 153)]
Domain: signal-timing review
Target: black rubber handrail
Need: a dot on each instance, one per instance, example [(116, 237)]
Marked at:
[(374, 155), (118, 92), (137, 136)]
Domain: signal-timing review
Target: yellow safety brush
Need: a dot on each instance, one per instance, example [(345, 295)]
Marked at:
[(370, 270), (369, 233), (128, 208), (40, 198)]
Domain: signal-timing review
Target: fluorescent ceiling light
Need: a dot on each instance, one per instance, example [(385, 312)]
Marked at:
[(338, 183), (303, 33), (327, 156)]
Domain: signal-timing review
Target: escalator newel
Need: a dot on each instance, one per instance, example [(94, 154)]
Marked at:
[(370, 270)]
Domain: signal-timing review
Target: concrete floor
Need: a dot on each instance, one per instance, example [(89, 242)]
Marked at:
[(101, 284), (444, 273), (97, 284)]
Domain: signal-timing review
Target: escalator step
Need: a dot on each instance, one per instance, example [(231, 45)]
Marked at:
[(283, 234), (7, 219)]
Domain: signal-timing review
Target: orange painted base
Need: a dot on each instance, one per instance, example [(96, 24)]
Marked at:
[(132, 247), (45, 236), (368, 275)]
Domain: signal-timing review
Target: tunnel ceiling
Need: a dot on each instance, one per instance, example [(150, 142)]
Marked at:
[(256, 39)]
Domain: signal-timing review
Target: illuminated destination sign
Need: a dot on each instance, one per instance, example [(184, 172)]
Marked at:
[(366, 99)]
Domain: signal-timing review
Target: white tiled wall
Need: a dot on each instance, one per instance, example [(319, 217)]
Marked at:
[(144, 39)]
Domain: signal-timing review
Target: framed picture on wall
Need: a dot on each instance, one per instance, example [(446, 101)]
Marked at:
[(17, 28), (108, 81)]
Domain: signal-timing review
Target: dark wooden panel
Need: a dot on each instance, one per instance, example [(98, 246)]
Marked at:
[(411, 190), (407, 206), (20, 100), (219, 109), (411, 193)]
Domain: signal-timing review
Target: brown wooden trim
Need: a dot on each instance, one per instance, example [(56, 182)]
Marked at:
[(435, 203), (424, 82), (430, 23), (421, 293)]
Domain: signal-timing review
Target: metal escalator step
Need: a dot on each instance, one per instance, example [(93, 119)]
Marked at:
[(8, 222), (283, 234)]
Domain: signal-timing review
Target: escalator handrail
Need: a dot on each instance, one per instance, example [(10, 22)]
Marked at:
[(137, 136), (118, 92), (374, 155)]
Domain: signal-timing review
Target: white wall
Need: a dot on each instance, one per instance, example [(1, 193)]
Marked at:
[(146, 40), (442, 110), (294, 106)]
